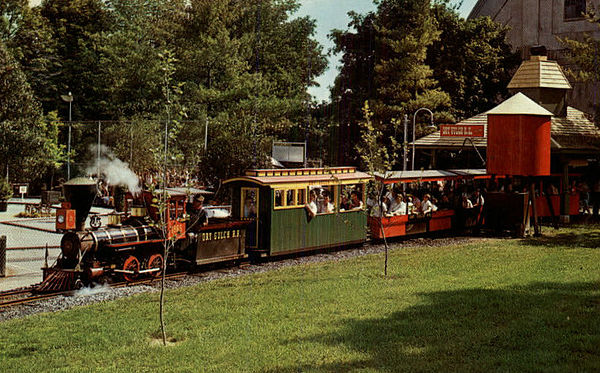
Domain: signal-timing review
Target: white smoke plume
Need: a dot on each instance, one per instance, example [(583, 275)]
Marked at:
[(88, 290), (113, 170), (218, 213)]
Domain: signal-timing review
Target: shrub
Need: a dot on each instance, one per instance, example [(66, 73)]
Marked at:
[(5, 190)]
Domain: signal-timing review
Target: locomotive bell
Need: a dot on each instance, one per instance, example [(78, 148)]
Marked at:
[(80, 192)]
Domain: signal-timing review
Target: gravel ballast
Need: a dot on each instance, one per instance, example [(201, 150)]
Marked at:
[(106, 293)]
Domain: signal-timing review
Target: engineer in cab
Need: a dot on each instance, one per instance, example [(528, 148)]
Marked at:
[(198, 215)]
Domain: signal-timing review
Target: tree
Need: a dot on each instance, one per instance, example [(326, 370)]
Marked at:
[(413, 53), (28, 143), (246, 68), (583, 54), (378, 161), (78, 70), (471, 60), (28, 37), (387, 55), (405, 82)]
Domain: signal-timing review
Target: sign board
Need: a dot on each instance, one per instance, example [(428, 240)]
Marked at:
[(294, 152), (22, 189), (461, 130)]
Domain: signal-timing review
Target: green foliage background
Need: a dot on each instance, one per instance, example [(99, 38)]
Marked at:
[(243, 68)]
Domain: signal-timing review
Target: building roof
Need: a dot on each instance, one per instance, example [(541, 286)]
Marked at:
[(309, 176), (573, 132), (519, 104), (434, 140), (430, 175), (538, 72)]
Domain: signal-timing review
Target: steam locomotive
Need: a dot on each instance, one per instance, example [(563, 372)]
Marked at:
[(131, 246)]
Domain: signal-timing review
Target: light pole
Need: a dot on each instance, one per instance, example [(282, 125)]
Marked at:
[(68, 98), (414, 136), (405, 142)]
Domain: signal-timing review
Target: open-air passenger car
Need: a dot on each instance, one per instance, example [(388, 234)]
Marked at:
[(407, 223), (276, 202)]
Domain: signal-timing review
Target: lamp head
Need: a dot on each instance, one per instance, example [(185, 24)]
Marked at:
[(67, 98)]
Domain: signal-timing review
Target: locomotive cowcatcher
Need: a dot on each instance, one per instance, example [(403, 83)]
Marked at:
[(131, 246)]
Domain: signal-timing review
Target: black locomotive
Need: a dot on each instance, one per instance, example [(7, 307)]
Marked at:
[(131, 246)]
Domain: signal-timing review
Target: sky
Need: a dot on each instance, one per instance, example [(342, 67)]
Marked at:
[(333, 14)]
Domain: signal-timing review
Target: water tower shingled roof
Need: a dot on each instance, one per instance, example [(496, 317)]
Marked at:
[(538, 72), (519, 104)]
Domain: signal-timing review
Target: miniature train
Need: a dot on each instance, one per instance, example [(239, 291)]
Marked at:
[(269, 217)]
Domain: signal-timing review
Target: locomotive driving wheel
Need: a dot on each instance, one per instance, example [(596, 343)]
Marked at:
[(156, 261), (131, 264)]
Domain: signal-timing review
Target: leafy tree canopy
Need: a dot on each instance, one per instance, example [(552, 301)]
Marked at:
[(414, 53), (584, 56), (28, 143)]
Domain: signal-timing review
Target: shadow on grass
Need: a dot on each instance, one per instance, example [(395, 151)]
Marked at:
[(590, 239), (542, 327)]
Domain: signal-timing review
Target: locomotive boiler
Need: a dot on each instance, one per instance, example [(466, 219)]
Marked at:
[(131, 246)]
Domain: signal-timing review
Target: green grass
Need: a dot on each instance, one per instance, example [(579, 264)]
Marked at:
[(493, 305)]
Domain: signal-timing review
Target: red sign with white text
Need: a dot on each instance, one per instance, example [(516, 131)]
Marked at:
[(461, 130)]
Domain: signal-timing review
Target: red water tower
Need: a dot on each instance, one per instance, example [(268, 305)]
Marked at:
[(519, 138)]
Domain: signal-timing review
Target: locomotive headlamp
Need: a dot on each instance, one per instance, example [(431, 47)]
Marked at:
[(60, 219)]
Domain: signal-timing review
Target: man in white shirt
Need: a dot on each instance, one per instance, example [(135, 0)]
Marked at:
[(398, 206), (311, 206), (426, 205), (327, 207)]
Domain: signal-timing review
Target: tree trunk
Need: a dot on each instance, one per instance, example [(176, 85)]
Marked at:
[(162, 293)]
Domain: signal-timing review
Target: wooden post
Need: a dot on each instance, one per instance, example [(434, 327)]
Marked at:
[(536, 226), (564, 194), (2, 256)]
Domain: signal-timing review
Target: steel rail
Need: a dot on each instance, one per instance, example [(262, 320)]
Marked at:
[(33, 298)]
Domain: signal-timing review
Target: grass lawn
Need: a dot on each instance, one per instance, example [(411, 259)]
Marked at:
[(493, 305)]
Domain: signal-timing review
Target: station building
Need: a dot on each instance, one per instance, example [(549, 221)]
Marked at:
[(574, 139)]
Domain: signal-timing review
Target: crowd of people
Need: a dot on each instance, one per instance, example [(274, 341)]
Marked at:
[(424, 198), (320, 201)]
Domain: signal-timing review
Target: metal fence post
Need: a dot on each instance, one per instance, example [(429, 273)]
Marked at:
[(2, 256)]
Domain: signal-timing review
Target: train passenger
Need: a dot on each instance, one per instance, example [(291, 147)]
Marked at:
[(584, 197), (345, 204), (198, 216), (478, 198), (466, 202), (372, 200), (326, 207), (410, 206), (427, 206), (249, 208), (416, 205), (398, 206), (311, 206), (355, 202), (379, 209)]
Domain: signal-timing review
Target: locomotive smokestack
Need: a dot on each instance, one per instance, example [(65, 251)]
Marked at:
[(80, 192)]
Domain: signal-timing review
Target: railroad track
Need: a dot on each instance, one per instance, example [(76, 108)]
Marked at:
[(28, 295), (15, 297)]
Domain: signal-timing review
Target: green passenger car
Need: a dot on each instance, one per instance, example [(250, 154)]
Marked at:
[(300, 209)]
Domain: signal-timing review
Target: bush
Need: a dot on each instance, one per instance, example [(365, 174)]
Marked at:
[(5, 190)]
